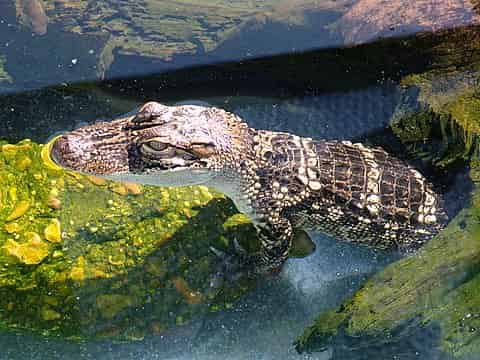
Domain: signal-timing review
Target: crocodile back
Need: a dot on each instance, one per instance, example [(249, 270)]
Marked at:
[(357, 193)]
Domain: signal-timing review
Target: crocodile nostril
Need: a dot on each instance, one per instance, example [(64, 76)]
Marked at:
[(70, 151), (58, 148)]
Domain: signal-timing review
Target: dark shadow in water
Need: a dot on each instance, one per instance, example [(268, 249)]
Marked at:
[(403, 344)]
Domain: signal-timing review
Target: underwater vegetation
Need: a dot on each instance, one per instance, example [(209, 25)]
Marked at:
[(83, 257), (439, 285)]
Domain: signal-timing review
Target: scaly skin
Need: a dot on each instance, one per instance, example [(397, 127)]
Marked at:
[(281, 181)]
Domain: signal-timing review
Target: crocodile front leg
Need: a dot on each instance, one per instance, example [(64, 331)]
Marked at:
[(275, 242)]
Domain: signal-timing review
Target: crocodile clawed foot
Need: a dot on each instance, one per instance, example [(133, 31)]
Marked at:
[(232, 267), (239, 249)]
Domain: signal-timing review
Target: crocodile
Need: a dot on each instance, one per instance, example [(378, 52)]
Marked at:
[(283, 182)]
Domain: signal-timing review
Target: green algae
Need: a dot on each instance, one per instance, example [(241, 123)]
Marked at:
[(105, 262), (441, 124)]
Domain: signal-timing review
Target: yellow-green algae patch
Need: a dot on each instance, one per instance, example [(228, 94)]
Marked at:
[(30, 252), (19, 210), (81, 258), (53, 231)]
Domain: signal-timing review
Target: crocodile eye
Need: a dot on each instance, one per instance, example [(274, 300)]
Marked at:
[(157, 146), (203, 150), (158, 149)]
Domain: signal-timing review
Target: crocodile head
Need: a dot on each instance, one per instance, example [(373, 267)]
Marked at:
[(160, 145)]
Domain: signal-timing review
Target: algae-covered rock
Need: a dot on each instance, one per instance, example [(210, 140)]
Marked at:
[(30, 252), (438, 118), (80, 257), (173, 27), (370, 19)]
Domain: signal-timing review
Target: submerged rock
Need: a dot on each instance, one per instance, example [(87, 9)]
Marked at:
[(30, 252)]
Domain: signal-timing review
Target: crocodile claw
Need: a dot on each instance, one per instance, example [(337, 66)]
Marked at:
[(232, 265), (239, 248), (219, 253)]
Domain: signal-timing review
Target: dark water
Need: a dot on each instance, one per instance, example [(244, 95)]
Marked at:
[(278, 73)]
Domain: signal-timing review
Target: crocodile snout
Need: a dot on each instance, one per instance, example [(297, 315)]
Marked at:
[(72, 151)]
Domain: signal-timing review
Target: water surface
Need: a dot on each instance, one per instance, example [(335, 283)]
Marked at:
[(318, 69)]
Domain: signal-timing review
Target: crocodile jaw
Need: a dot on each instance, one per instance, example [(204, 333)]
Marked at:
[(171, 177)]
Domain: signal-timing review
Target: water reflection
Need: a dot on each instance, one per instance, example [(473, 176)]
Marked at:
[(68, 41)]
